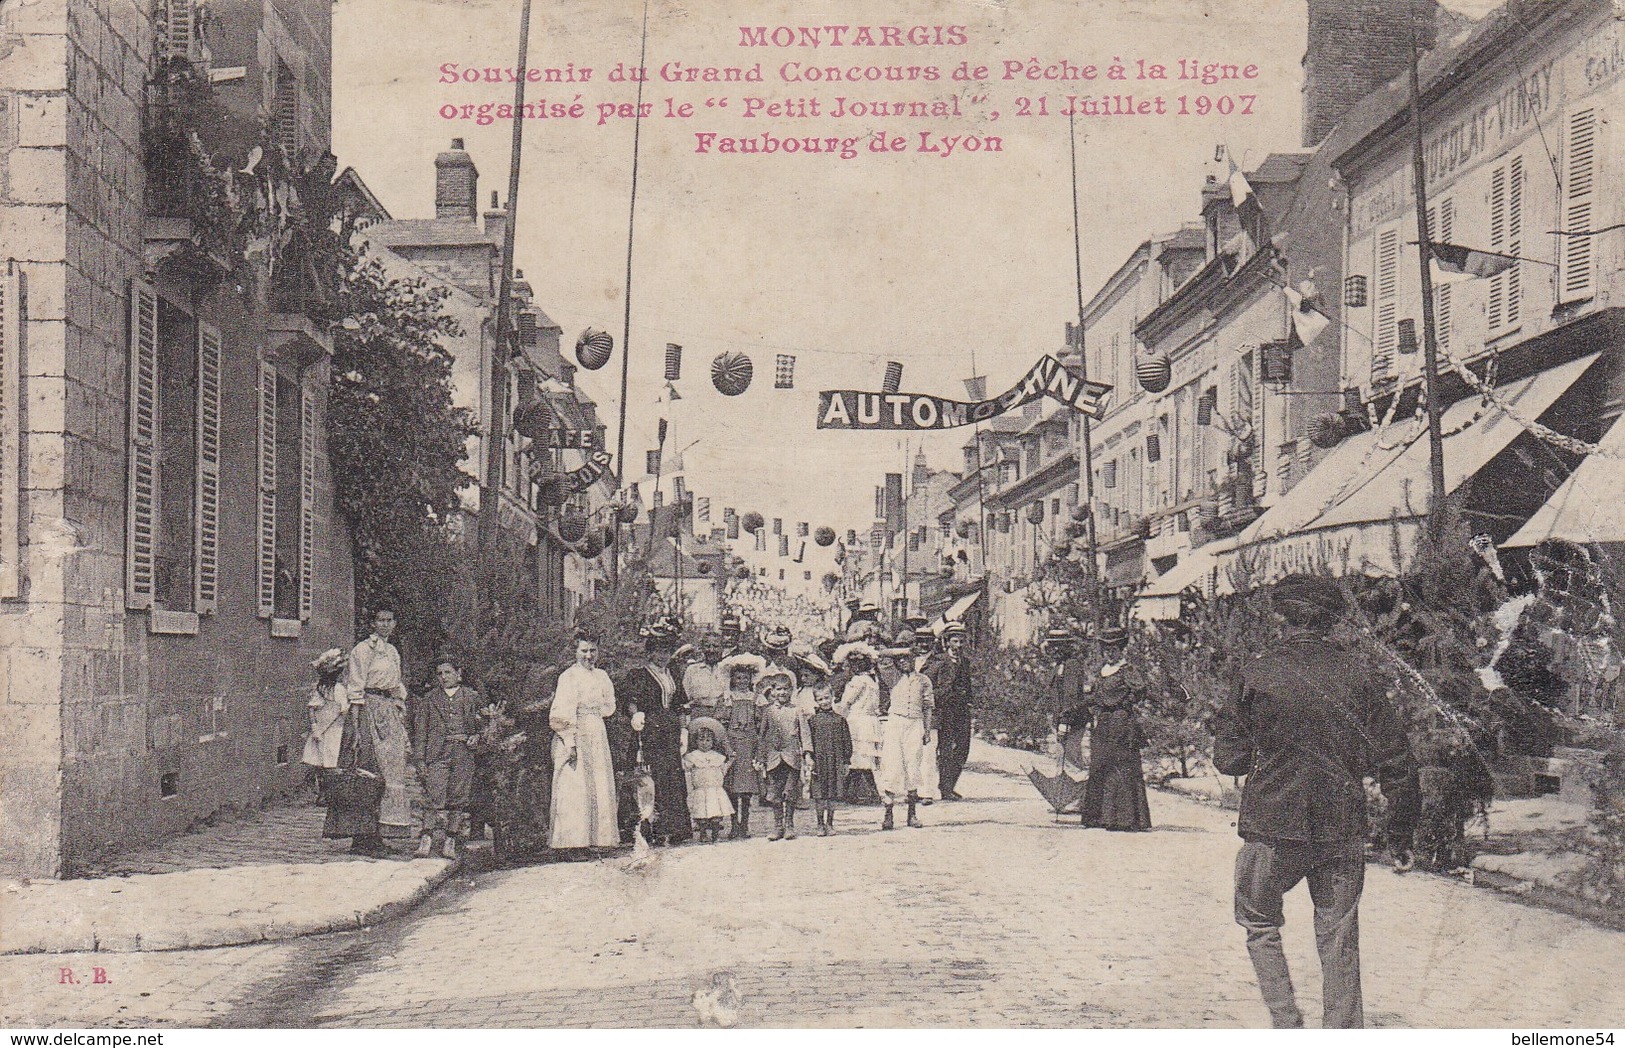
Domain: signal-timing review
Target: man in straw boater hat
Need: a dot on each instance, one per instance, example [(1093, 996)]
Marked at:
[(1307, 722), (950, 675), (907, 731)]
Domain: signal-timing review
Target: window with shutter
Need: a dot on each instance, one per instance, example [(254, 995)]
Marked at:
[(10, 430), (207, 542), (176, 28), (141, 525), (1385, 306), (1506, 238), (267, 486), (307, 500), (286, 118), (1576, 275), (1441, 229)]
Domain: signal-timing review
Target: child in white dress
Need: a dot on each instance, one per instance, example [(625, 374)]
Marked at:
[(708, 802)]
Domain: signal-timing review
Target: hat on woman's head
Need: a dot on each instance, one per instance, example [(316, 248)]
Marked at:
[(777, 639), (1112, 636), (745, 662), (953, 629), (330, 661), (776, 676)]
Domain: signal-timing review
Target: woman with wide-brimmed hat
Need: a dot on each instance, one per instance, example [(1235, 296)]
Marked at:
[(908, 731), (353, 783), (1114, 796), (654, 698)]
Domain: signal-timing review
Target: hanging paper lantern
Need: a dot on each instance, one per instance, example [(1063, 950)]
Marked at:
[(608, 534), (1326, 430), (963, 529), (573, 527), (1153, 447), (593, 348), (1035, 513), (894, 377), (742, 573), (591, 546), (629, 513), (752, 522), (830, 581), (731, 373), (1154, 372), (824, 536), (674, 362), (851, 536), (1407, 335), (533, 420), (784, 372)]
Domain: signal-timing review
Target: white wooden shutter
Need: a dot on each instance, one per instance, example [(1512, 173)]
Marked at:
[(1440, 232), (1577, 255), (11, 400), (1385, 306), (207, 537), (267, 522), (307, 499), (141, 523), (1506, 238), (177, 28)]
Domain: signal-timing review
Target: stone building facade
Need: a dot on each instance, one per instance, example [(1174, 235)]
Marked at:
[(171, 563)]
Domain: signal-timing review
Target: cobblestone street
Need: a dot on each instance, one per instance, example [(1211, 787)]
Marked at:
[(993, 915)]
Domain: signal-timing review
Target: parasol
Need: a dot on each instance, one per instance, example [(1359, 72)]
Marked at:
[(1063, 790)]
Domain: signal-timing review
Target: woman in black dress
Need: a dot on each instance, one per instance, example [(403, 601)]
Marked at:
[(1114, 797), (654, 699)]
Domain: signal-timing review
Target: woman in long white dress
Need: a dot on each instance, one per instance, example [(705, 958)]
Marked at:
[(860, 705), (583, 778)]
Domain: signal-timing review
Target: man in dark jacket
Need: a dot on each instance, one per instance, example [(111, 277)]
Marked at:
[(949, 671), (1307, 722)]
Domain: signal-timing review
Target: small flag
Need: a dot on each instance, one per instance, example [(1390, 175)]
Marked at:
[(784, 545), (1240, 188), (802, 530), (778, 525), (675, 466), (801, 553), (702, 506), (660, 501), (1307, 321), (679, 489), (674, 362), (661, 439), (761, 541), (731, 526), (976, 388), (652, 462), (784, 372), (894, 377), (1465, 262)]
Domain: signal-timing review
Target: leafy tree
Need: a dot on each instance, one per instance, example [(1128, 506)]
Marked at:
[(397, 446)]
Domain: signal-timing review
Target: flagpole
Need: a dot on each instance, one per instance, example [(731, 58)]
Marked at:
[(626, 323), (1083, 374), (496, 437), (1430, 347)]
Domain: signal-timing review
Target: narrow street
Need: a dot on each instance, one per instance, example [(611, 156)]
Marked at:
[(993, 915)]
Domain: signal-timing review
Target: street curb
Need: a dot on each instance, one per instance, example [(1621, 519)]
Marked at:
[(250, 934)]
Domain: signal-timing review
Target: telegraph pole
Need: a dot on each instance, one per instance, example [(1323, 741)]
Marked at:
[(1083, 373), (626, 324), (496, 435), (1430, 347)]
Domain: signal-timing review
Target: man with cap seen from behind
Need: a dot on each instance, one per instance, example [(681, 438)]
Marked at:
[(1306, 722)]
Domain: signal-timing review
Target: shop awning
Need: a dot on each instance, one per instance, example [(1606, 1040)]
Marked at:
[(955, 612), (1590, 505), (1357, 510), (1474, 434), (1195, 569)]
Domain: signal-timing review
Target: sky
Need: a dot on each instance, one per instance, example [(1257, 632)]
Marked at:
[(935, 261)]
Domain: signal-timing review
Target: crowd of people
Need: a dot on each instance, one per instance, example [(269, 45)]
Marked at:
[(683, 745)]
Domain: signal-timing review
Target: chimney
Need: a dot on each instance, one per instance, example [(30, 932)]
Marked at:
[(456, 184), (496, 220), (1354, 48)]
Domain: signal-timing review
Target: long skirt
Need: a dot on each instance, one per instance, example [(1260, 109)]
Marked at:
[(391, 741), (584, 792), (356, 749), (1114, 797), (902, 758)]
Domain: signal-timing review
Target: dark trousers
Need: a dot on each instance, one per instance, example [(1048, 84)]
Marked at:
[(1265, 872), (953, 747)]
